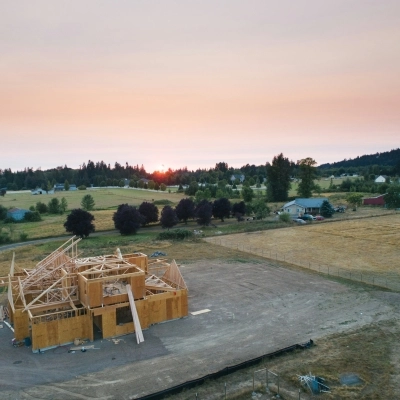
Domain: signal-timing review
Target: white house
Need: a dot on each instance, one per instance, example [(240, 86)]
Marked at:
[(304, 206), (381, 179)]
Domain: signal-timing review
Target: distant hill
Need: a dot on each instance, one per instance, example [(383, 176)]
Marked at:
[(388, 159)]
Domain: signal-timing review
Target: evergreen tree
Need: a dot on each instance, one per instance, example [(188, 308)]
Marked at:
[(87, 202), (66, 185), (79, 222), (63, 205), (278, 178), (326, 209), (307, 174)]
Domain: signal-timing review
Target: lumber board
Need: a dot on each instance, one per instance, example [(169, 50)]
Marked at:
[(138, 329)]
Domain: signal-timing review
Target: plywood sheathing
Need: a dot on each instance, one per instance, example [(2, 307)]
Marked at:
[(65, 296)]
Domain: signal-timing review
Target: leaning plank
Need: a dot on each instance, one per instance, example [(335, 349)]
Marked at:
[(138, 328)]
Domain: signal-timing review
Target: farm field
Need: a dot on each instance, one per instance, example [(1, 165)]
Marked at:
[(104, 198), (364, 249)]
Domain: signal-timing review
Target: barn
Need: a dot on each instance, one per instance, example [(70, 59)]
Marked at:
[(375, 201)]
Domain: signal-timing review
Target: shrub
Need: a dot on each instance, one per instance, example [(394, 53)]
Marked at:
[(177, 234), (4, 238), (54, 206), (3, 212), (41, 207), (163, 202), (82, 187), (32, 216), (23, 236), (285, 217)]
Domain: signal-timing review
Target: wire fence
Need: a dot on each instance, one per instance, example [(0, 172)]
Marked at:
[(261, 383), (391, 282)]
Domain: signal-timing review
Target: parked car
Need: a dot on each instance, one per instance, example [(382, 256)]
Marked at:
[(319, 218), (299, 221), (307, 217), (340, 209)]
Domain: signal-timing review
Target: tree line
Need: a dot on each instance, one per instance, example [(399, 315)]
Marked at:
[(101, 174)]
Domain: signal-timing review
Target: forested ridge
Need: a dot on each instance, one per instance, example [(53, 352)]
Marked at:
[(101, 174)]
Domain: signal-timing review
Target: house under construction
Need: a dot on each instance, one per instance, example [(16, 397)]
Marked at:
[(66, 297)]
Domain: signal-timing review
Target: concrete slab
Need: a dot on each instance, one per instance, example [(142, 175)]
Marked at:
[(255, 308)]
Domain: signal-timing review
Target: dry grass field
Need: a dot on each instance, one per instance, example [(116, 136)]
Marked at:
[(356, 248)]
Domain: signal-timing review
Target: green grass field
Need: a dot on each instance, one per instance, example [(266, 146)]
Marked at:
[(105, 198)]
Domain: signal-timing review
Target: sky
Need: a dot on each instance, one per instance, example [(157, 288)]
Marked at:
[(173, 84)]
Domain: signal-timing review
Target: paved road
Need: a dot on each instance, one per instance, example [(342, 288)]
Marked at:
[(51, 239)]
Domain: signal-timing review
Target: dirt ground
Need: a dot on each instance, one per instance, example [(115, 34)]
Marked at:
[(255, 308)]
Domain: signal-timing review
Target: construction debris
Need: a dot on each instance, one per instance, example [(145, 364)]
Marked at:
[(158, 254), (314, 383)]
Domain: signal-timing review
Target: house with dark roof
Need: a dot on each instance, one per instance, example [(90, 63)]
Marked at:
[(304, 206)]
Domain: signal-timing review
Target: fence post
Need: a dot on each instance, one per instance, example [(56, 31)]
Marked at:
[(278, 384), (225, 390), (299, 394), (253, 381), (328, 270), (267, 377)]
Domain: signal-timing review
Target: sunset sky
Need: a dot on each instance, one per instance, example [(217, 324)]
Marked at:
[(192, 83)]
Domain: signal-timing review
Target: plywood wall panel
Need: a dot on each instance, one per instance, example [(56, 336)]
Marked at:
[(21, 324), (109, 324), (95, 293)]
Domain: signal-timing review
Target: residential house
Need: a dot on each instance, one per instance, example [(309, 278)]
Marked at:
[(239, 177), (381, 179), (304, 206), (17, 214)]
